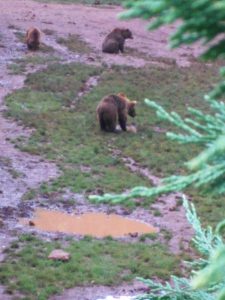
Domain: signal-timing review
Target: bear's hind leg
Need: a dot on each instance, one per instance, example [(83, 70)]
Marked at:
[(102, 124), (123, 122), (121, 47), (111, 126)]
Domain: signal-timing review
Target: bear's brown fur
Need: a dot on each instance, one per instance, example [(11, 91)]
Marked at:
[(32, 39), (113, 108), (114, 41)]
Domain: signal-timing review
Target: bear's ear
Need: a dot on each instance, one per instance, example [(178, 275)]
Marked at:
[(129, 33), (116, 29), (122, 95)]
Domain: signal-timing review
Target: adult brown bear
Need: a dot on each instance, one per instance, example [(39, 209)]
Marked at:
[(32, 39), (114, 41), (113, 108)]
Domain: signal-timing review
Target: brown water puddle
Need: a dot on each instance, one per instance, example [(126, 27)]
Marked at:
[(94, 224)]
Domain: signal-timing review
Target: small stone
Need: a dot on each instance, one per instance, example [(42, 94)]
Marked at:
[(126, 211), (90, 58), (59, 254), (99, 191), (31, 223), (133, 234), (173, 208), (132, 128)]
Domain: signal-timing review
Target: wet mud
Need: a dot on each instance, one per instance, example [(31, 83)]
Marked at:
[(94, 224)]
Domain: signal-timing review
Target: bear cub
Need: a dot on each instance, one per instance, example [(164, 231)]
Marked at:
[(114, 41), (33, 38), (113, 109)]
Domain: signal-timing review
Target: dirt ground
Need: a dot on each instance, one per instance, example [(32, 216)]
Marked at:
[(92, 23)]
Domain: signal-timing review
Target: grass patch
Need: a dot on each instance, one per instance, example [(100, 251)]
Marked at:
[(48, 31), (20, 66), (28, 270), (20, 36), (72, 137), (129, 51), (209, 208), (146, 236), (6, 163), (29, 195), (174, 88), (46, 48), (16, 69), (75, 44)]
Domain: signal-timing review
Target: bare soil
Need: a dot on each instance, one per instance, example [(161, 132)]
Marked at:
[(19, 170)]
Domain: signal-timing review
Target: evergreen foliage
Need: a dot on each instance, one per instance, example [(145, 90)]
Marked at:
[(210, 245)]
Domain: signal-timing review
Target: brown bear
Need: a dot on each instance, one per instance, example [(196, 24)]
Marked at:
[(33, 38), (114, 41), (113, 108)]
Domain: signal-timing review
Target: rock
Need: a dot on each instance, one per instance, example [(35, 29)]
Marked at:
[(90, 58), (133, 234), (126, 211), (132, 128), (1, 222), (31, 223), (99, 191), (59, 254)]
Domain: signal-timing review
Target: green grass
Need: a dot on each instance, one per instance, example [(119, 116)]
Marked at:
[(16, 68), (71, 136), (68, 136), (20, 66), (146, 236), (174, 89), (28, 270), (210, 208), (75, 43)]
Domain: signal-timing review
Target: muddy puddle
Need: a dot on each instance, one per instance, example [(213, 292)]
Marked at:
[(94, 224)]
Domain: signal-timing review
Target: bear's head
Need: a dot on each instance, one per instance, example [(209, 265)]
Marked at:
[(130, 105), (131, 108), (126, 33)]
